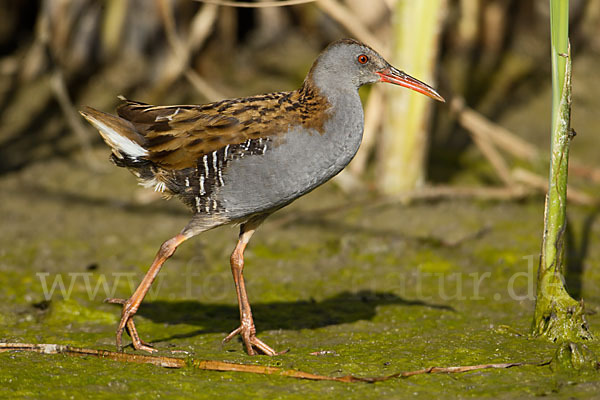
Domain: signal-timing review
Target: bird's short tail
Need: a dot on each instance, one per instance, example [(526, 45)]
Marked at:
[(126, 143)]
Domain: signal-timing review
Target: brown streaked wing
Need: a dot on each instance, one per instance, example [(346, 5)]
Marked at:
[(177, 136)]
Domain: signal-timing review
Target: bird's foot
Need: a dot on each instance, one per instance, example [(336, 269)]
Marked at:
[(248, 334), (127, 323)]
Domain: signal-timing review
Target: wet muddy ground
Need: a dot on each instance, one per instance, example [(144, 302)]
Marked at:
[(378, 288)]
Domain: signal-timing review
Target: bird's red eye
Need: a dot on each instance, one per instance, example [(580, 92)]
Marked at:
[(363, 59)]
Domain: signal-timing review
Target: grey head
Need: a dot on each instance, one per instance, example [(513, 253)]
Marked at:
[(349, 64)]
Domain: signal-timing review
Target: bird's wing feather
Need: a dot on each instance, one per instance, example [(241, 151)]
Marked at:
[(177, 136)]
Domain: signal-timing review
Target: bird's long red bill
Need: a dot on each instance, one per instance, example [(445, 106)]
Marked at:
[(397, 77)]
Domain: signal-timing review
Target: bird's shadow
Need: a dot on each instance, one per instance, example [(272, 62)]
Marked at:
[(345, 307)]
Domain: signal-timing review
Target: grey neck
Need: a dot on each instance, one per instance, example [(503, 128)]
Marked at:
[(345, 126)]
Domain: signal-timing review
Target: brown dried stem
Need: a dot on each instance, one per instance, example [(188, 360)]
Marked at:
[(351, 23), (540, 183), (476, 123), (264, 4), (486, 135), (212, 365), (508, 141), (60, 91), (201, 27)]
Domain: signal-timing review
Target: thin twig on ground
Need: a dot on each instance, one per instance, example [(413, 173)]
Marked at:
[(223, 366)]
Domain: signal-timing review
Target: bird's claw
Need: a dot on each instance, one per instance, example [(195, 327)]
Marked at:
[(251, 342), (127, 323)]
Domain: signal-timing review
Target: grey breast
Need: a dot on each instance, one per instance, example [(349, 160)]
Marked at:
[(294, 163)]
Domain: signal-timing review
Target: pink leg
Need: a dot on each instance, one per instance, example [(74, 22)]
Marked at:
[(131, 305), (246, 330)]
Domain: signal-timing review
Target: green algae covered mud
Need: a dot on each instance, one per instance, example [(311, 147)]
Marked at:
[(356, 293)]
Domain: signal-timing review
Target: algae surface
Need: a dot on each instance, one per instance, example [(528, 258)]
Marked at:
[(378, 289)]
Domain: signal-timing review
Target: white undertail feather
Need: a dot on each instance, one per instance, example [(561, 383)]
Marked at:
[(117, 141), (158, 185)]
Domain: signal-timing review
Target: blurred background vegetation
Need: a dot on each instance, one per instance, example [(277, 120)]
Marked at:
[(489, 59)]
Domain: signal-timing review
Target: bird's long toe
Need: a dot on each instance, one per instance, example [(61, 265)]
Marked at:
[(251, 342), (126, 323), (136, 341), (262, 346)]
